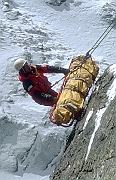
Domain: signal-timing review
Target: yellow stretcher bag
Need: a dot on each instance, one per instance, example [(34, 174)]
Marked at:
[(78, 82)]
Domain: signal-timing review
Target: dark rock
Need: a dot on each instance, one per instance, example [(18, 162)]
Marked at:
[(91, 153), (55, 2)]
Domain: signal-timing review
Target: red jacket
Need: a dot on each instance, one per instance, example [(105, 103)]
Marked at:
[(37, 85), (40, 82)]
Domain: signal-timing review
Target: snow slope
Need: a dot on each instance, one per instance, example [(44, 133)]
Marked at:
[(43, 33)]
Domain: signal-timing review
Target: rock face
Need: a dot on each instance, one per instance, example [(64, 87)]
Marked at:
[(91, 155)]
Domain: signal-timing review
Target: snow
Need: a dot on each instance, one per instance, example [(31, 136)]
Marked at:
[(112, 91), (43, 33), (88, 118)]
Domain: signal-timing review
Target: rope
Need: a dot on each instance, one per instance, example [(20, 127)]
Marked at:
[(88, 54), (57, 81), (102, 37)]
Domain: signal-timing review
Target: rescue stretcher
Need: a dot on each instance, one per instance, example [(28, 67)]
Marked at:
[(74, 90)]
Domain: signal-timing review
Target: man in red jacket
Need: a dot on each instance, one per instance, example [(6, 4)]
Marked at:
[(35, 83)]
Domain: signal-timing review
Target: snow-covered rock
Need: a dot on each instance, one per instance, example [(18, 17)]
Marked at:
[(55, 2), (91, 153)]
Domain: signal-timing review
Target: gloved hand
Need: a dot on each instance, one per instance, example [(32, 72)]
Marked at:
[(55, 99), (66, 71)]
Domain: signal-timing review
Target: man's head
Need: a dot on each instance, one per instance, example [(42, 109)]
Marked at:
[(22, 64)]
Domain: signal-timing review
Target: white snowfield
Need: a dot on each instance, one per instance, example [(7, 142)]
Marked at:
[(30, 144)]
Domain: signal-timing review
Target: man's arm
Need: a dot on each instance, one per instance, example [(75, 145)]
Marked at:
[(52, 69)]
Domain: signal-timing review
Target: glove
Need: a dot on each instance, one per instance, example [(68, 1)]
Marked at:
[(66, 71), (55, 99)]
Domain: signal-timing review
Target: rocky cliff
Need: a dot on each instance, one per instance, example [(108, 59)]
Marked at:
[(91, 153)]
